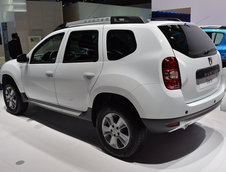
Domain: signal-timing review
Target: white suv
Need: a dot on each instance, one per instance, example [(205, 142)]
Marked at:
[(122, 73)]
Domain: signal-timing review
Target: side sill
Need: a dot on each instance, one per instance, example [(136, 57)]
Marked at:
[(87, 115)]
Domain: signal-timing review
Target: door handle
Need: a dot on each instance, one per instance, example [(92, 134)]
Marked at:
[(49, 74), (89, 75)]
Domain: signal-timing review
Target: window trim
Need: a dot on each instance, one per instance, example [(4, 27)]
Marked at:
[(82, 61), (41, 44)]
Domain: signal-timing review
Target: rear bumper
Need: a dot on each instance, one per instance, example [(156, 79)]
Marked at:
[(160, 104), (161, 125)]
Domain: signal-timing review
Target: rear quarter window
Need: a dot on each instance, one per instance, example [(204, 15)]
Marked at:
[(120, 43), (189, 40)]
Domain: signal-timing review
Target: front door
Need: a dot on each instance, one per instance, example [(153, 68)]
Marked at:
[(38, 76)]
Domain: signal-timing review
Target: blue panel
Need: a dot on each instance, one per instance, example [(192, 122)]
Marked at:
[(165, 14), (222, 46)]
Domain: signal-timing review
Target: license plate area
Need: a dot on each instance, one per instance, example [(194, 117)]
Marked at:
[(207, 76)]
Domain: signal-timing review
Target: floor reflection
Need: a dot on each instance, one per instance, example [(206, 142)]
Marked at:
[(157, 148)]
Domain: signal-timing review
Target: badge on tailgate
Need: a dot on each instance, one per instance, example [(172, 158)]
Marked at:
[(207, 76)]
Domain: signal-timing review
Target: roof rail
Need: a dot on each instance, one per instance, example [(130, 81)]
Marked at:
[(107, 20), (127, 19), (104, 20), (61, 26), (165, 19)]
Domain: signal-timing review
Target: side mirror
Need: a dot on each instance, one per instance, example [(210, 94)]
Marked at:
[(22, 58)]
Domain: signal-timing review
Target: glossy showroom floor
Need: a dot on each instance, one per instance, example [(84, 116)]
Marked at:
[(46, 141)]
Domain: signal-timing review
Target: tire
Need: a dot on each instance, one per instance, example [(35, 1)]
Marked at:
[(13, 100), (121, 143)]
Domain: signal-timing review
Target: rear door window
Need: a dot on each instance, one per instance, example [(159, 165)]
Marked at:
[(189, 40), (82, 46)]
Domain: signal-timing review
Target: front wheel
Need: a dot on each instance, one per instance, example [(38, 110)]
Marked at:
[(13, 99), (119, 133)]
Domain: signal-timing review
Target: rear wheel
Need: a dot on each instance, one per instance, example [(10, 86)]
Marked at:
[(13, 100), (120, 135)]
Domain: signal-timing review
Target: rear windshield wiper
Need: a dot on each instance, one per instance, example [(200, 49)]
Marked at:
[(208, 51)]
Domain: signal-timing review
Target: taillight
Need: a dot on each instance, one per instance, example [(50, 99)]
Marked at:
[(173, 124), (171, 73)]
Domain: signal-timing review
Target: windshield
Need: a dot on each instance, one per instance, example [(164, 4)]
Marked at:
[(189, 40)]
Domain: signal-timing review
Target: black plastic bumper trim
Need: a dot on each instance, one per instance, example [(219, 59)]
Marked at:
[(160, 125)]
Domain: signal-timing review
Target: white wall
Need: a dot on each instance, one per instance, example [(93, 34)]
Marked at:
[(43, 17), (21, 21), (5, 16), (40, 19), (82, 10), (203, 12)]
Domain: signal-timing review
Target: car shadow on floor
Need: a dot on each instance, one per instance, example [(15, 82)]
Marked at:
[(156, 149), (72, 126), (166, 147)]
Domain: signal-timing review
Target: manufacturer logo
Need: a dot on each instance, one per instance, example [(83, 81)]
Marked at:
[(210, 60)]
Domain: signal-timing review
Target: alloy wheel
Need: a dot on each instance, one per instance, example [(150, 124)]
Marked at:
[(115, 131), (10, 96)]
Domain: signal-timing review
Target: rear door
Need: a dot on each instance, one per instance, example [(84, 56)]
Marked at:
[(199, 61), (81, 65)]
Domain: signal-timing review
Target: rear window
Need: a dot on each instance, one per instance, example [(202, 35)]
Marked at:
[(189, 40)]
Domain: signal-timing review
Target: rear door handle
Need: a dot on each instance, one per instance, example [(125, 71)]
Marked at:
[(49, 74), (89, 75)]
